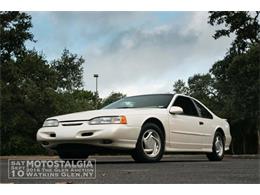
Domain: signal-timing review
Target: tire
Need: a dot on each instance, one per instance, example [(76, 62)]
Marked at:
[(218, 148), (150, 144)]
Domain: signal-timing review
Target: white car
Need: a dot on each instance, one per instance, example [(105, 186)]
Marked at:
[(146, 126)]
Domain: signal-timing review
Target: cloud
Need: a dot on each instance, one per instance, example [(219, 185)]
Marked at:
[(147, 60), (133, 52)]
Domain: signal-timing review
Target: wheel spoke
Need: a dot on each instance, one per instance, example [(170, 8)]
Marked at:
[(156, 139), (148, 150), (148, 136), (155, 148), (151, 143), (219, 146)]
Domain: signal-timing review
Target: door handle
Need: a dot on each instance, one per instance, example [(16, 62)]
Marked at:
[(201, 123)]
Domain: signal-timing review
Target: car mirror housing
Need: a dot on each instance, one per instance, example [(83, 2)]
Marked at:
[(176, 110)]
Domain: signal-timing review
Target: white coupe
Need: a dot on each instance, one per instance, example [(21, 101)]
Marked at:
[(146, 126)]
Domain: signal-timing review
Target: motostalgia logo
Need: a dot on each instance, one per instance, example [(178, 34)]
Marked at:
[(52, 169)]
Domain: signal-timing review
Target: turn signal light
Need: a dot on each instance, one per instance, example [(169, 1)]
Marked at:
[(123, 120)]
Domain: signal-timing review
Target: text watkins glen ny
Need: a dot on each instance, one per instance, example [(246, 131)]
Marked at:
[(51, 169)]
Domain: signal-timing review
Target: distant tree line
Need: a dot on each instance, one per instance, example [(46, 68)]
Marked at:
[(232, 86), (33, 89)]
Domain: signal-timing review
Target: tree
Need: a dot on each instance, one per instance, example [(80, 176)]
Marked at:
[(25, 102), (14, 31), (201, 86), (236, 77), (76, 101), (32, 89), (70, 71), (243, 24), (244, 77), (114, 96), (14, 119), (179, 86)]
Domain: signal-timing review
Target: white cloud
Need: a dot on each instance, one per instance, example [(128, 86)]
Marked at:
[(148, 60), (134, 52)]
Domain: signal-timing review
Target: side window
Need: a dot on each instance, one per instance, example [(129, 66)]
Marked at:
[(203, 111), (187, 105)]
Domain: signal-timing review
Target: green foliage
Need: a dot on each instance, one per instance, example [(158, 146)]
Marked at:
[(201, 86), (76, 101), (242, 100), (179, 86), (14, 31), (114, 96), (244, 78), (32, 89), (242, 24), (237, 78), (69, 70), (24, 101)]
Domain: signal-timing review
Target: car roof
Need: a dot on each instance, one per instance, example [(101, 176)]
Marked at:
[(153, 94)]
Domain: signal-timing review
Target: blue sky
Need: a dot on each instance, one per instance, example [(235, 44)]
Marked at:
[(133, 52)]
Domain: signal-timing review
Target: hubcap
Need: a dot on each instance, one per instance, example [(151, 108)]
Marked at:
[(219, 146), (151, 143)]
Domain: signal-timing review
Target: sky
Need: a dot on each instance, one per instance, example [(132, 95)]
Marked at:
[(132, 52)]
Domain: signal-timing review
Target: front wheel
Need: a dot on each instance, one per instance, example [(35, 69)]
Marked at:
[(218, 148), (150, 144)]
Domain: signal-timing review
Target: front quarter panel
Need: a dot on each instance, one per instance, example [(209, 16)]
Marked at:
[(138, 119)]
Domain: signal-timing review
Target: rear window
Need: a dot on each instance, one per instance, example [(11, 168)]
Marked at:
[(203, 111)]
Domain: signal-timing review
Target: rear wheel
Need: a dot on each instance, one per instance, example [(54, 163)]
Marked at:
[(150, 144), (218, 148)]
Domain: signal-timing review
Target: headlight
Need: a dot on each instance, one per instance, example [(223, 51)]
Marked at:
[(51, 123), (108, 120)]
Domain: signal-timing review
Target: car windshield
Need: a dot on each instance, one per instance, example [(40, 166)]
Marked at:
[(142, 101)]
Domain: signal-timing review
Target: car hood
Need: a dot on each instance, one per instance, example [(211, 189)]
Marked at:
[(87, 115)]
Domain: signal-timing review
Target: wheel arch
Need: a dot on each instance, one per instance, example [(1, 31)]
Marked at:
[(221, 131), (157, 122)]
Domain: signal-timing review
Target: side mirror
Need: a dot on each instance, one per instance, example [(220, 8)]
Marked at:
[(176, 110)]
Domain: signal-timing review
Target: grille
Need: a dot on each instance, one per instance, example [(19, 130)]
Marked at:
[(71, 124)]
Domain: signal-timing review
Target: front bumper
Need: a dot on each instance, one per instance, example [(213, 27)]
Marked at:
[(112, 135)]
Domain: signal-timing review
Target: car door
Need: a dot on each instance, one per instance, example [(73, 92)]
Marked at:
[(207, 118), (186, 129)]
